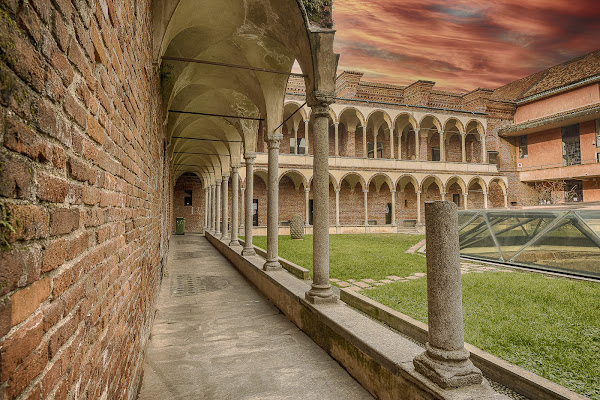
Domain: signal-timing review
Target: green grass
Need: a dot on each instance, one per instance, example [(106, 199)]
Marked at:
[(550, 326), (355, 256)]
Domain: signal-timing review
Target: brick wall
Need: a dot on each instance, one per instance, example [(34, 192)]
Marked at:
[(260, 193), (81, 134), (194, 214), (291, 201)]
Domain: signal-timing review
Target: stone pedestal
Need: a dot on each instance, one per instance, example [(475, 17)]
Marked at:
[(445, 361)]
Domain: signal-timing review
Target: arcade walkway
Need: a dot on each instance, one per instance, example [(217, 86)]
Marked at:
[(216, 337)]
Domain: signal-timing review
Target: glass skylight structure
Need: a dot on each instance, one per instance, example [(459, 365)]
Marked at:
[(566, 241)]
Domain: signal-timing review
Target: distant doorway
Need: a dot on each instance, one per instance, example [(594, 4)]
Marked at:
[(456, 199), (310, 211), (255, 212)]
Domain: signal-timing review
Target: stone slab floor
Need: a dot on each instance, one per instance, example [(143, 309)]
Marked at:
[(216, 336)]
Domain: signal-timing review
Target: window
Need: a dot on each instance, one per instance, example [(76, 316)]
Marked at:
[(405, 203), (598, 133), (435, 154), (523, 147), (456, 199), (493, 158), (571, 147), (187, 200), (301, 146), (370, 146), (573, 191)]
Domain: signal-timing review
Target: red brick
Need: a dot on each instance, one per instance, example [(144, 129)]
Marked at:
[(60, 283), (52, 314), (95, 131), (64, 220), (16, 179), (23, 268), (5, 317), (29, 20), (51, 188), (29, 67), (61, 335), (76, 246), (29, 222), (54, 255), (27, 371), (21, 138), (99, 49), (43, 9), (27, 300), (18, 346), (51, 378), (72, 296), (75, 110), (81, 171)]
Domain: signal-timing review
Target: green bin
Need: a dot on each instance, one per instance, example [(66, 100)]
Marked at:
[(180, 226)]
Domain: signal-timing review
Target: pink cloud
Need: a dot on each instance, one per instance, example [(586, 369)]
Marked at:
[(464, 44)]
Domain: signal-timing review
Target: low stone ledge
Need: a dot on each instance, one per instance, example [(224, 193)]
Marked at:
[(289, 266), (377, 357), (516, 378)]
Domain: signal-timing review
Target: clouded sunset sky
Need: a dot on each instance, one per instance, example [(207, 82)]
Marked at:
[(462, 44)]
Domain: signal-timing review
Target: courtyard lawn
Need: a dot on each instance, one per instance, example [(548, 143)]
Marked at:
[(550, 326), (356, 256)]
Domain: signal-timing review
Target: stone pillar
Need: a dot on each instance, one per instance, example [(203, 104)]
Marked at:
[(465, 197), (463, 140), (445, 360), (365, 154), (206, 203), (443, 194), (375, 143), (272, 262), (505, 201), (307, 212), (336, 151), (213, 207), (306, 121), (218, 210), (393, 192), (320, 291), (399, 155), (243, 208), (235, 204), (417, 144), (442, 146), (483, 150), (248, 247), (225, 207), (337, 207), (295, 139), (485, 199), (365, 196), (419, 223), (392, 142)]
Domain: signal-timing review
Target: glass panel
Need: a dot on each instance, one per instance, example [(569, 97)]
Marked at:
[(465, 216), (476, 240), (514, 231), (591, 218), (569, 246)]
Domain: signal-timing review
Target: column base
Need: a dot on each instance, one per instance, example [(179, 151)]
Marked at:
[(234, 242), (272, 265), (447, 369), (321, 294), (248, 251), (225, 238)]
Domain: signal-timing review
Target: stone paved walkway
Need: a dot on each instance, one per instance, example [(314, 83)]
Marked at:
[(366, 283), (216, 337)]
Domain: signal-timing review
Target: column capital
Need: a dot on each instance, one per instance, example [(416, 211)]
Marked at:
[(274, 141), (365, 191), (393, 191), (235, 167), (225, 177), (336, 190), (465, 194), (443, 193), (218, 182), (307, 190), (250, 158), (418, 192), (243, 188), (320, 99)]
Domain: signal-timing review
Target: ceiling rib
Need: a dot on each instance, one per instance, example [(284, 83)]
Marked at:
[(216, 115), (220, 64)]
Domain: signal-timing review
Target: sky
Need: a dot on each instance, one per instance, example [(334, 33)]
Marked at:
[(462, 44)]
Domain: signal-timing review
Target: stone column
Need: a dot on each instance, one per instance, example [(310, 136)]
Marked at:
[(213, 206), (306, 121), (463, 140), (485, 199), (295, 139), (465, 196), (337, 146), (365, 196), (242, 207), (272, 262), (248, 247), (307, 196), (442, 146), (320, 290), (218, 210), (391, 142), (483, 150), (419, 223), (365, 154), (393, 192), (206, 203), (225, 207), (337, 207), (417, 144), (443, 194), (375, 143), (399, 155), (235, 204), (445, 360), (505, 201)]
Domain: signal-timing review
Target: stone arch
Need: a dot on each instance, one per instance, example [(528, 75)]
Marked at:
[(379, 179), (406, 199), (331, 181), (380, 123), (455, 190), (430, 136), (428, 180), (296, 176), (496, 193), (477, 191), (353, 178), (352, 122)]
